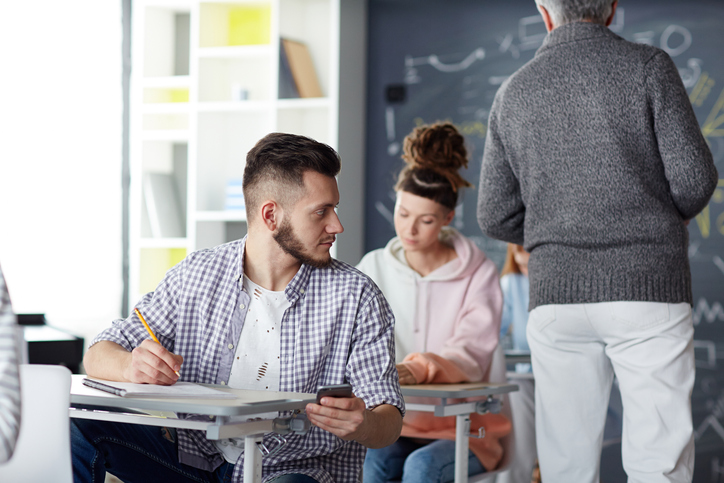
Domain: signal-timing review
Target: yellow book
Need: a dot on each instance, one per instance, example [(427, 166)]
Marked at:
[(250, 25)]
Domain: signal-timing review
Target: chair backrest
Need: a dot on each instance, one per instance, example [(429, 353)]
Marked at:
[(42, 452)]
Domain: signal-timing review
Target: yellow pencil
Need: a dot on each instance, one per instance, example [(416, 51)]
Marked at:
[(148, 328)]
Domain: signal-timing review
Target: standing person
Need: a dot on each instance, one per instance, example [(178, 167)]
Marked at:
[(515, 286), (594, 162), (9, 376), (270, 312), (446, 299)]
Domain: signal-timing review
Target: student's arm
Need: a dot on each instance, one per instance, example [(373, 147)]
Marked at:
[(149, 363), (125, 352), (374, 417), (349, 419)]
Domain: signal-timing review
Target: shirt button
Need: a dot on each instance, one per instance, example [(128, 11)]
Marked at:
[(223, 383), (242, 306), (301, 290), (231, 346)]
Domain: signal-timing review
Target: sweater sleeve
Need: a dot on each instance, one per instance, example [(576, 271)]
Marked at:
[(501, 211), (687, 160), (467, 354)]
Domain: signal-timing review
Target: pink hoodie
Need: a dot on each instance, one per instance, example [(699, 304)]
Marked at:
[(446, 329)]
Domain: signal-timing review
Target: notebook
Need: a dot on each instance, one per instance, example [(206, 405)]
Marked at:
[(179, 390)]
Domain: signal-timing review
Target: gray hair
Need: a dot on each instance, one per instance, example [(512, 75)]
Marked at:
[(567, 11)]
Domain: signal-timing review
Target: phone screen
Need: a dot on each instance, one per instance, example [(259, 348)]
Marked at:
[(336, 390)]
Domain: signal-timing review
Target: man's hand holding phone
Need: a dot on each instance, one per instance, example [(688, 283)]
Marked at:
[(338, 411)]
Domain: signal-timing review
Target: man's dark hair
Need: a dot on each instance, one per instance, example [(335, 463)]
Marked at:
[(276, 165)]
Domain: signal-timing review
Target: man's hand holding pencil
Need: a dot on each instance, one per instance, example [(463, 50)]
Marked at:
[(151, 363)]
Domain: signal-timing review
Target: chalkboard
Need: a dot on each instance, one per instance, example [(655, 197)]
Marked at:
[(433, 60)]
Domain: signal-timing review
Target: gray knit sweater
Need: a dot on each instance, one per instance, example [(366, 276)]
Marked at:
[(593, 160)]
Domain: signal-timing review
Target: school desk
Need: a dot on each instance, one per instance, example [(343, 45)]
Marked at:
[(450, 401), (218, 411)]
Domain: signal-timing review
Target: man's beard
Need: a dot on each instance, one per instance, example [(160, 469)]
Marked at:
[(289, 242)]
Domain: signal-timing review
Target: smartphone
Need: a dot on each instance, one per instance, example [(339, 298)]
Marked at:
[(335, 390)]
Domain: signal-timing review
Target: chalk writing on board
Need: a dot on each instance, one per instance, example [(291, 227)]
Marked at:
[(702, 87), (719, 263), (717, 470), (385, 212), (669, 42), (710, 421), (705, 354), (714, 123), (703, 312)]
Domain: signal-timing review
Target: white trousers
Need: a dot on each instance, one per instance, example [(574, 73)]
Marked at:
[(575, 350)]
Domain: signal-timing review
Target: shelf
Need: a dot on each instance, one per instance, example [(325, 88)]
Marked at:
[(168, 122), (221, 215), (235, 52), (234, 106), (166, 108), (205, 87), (167, 81), (170, 135), (307, 103), (176, 5), (163, 243)]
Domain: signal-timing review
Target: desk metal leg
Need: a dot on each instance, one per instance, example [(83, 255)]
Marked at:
[(252, 459), (462, 445)]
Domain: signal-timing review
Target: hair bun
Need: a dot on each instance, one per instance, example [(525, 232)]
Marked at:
[(437, 147)]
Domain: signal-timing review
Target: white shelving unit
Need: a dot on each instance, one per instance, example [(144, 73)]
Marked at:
[(204, 90)]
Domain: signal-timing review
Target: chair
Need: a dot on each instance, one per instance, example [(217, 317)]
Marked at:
[(42, 452), (497, 374)]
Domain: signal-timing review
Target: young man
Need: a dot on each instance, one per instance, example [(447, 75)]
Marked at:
[(273, 311), (594, 161)]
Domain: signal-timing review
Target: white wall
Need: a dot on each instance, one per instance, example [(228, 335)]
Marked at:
[(60, 159)]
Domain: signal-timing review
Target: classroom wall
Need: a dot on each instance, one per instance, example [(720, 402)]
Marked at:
[(449, 58), (60, 160)]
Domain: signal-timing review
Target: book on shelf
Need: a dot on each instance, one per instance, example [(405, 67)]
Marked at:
[(235, 195), (162, 205), (297, 76), (249, 25)]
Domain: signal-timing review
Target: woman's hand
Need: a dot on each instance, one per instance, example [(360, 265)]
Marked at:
[(406, 377)]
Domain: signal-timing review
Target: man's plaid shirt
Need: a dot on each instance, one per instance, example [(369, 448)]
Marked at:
[(338, 329)]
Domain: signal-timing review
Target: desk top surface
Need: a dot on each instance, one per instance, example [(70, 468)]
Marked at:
[(460, 390), (247, 402)]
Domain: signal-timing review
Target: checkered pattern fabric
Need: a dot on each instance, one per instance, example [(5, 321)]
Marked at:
[(338, 329)]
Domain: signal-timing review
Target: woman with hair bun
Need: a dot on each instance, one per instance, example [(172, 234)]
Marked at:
[(447, 303)]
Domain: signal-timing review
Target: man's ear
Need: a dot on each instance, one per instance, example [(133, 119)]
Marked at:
[(546, 17), (271, 214), (613, 12)]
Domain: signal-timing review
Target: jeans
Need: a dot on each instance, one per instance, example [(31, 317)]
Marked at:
[(415, 462), (136, 453)]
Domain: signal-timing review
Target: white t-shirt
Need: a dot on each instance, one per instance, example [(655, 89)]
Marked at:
[(256, 363)]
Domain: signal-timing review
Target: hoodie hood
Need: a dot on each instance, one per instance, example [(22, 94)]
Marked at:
[(469, 257)]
